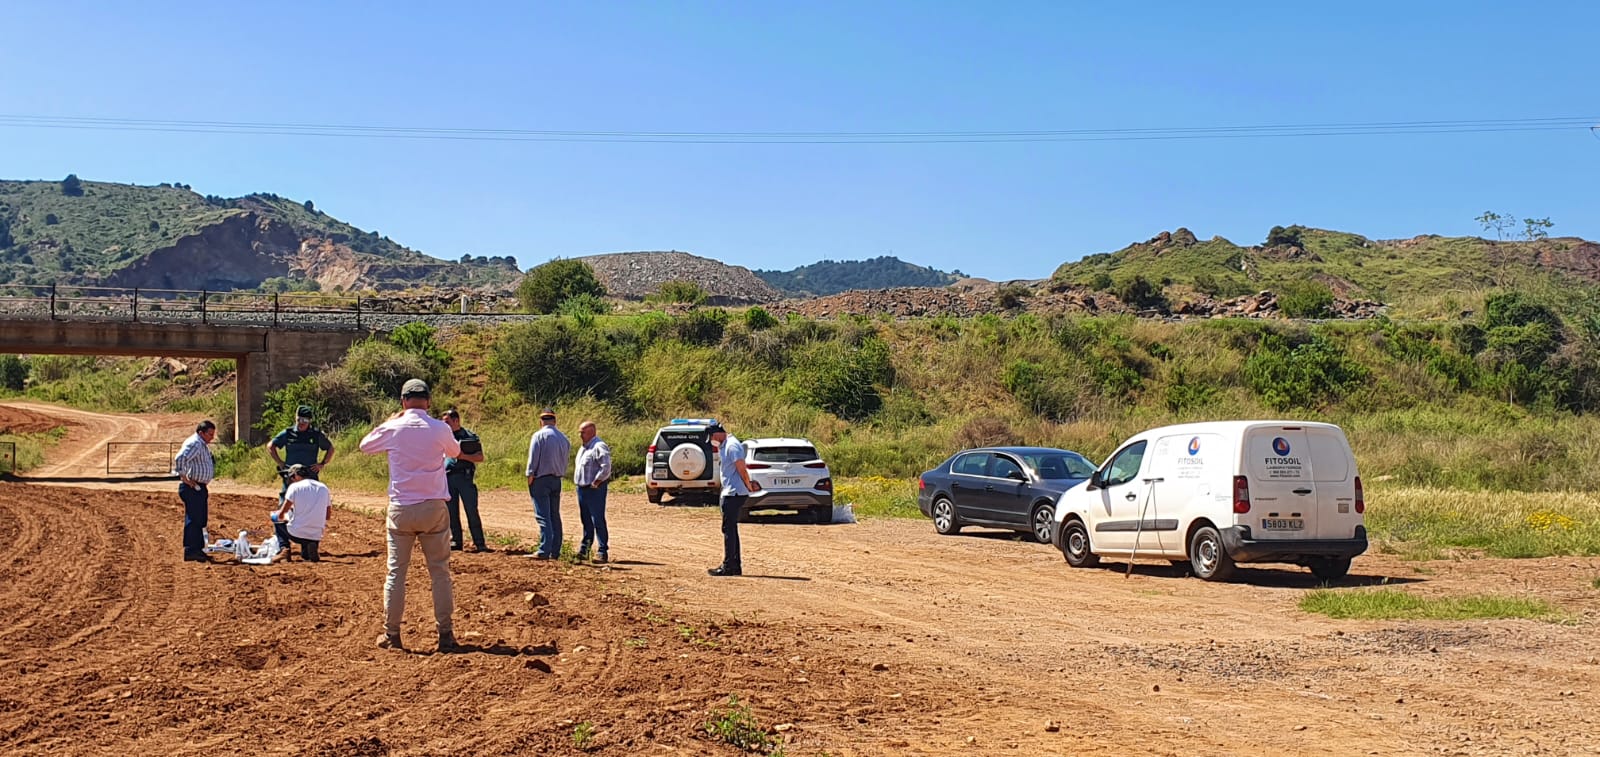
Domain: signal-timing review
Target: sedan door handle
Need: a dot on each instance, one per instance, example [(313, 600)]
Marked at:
[(1131, 497), (989, 488)]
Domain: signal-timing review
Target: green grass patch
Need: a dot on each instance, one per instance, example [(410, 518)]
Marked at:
[(878, 497), (1427, 524), (1392, 604), (29, 449)]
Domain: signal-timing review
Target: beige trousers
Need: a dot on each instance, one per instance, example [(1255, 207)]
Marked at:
[(427, 522)]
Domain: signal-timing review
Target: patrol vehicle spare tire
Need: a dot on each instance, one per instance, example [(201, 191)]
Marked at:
[(687, 461)]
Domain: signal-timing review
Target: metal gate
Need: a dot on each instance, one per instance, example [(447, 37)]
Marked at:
[(141, 457)]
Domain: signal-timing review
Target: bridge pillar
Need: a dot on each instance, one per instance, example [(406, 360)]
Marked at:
[(289, 356)]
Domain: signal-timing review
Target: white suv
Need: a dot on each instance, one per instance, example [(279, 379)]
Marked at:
[(792, 477), (682, 463)]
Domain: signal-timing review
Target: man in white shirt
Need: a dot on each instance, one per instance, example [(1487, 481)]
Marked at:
[(591, 473), (417, 445), (309, 501)]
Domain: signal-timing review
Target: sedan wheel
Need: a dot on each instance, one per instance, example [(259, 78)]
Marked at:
[(944, 517), (1044, 524)]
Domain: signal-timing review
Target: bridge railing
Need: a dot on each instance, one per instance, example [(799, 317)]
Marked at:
[(179, 305)]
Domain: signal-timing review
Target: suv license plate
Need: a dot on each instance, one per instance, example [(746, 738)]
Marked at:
[(1283, 524), (786, 481)]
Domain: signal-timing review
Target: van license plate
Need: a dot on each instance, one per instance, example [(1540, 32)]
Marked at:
[(1283, 524), (789, 481)]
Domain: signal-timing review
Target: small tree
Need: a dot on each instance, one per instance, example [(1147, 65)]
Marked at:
[(545, 287), (13, 373), (1306, 299), (1140, 292), (155, 225), (71, 186), (1499, 224), (1535, 229), (310, 206)]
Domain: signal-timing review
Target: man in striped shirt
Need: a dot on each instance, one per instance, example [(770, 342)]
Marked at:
[(194, 468)]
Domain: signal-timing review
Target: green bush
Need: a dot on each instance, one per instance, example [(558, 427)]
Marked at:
[(840, 379), (13, 373), (584, 305), (380, 367), (686, 292), (417, 338), (1140, 292), (1041, 390), (1305, 299), (1100, 281), (758, 319), (701, 326), (550, 360), (1303, 376), (1012, 296), (546, 286), (340, 400)]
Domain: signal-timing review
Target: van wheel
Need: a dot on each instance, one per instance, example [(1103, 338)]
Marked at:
[(1329, 568), (1044, 523), (1207, 557), (653, 495), (1075, 545), (944, 517)]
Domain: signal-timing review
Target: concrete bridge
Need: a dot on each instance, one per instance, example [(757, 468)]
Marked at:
[(268, 357)]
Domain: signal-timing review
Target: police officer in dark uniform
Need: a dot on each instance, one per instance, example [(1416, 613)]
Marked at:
[(459, 473), (300, 444)]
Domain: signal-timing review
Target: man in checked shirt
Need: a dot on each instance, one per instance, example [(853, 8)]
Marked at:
[(194, 468)]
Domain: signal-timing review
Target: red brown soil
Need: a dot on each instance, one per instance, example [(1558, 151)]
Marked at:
[(26, 420), (108, 643)]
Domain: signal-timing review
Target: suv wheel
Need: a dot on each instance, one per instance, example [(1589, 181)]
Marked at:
[(653, 495)]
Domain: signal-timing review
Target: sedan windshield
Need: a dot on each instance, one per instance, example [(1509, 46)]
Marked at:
[(1059, 465)]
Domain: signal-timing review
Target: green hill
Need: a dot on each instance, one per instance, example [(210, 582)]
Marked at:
[(834, 276), (168, 236), (1408, 273)]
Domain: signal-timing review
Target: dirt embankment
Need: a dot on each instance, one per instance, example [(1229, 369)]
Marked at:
[(636, 275)]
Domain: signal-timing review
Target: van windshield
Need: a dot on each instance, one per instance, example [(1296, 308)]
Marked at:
[(1056, 466)]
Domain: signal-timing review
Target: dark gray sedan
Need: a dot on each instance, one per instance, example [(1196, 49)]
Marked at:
[(1004, 487)]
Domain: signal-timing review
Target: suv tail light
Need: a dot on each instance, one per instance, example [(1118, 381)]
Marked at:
[(825, 484), (1361, 497), (817, 464), (1241, 495), (651, 452), (757, 466)]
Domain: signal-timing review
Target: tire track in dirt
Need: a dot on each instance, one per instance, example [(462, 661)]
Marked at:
[(82, 451)]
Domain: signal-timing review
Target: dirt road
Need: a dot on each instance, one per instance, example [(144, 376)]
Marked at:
[(980, 640)]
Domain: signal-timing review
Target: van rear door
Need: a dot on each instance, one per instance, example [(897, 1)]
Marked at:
[(1283, 492), (1334, 476)]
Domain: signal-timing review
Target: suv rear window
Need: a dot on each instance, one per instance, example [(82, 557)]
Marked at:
[(785, 454)]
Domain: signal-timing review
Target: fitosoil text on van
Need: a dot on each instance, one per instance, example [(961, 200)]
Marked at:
[(1216, 494)]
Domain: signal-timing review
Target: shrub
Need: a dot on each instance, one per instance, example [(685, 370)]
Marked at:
[(1140, 292), (50, 219), (417, 338), (1306, 299), (1100, 282), (985, 431), (1040, 390), (13, 373), (584, 305), (703, 327), (380, 367), (840, 379), (758, 319), (1012, 296), (686, 292), (1281, 236), (549, 360), (340, 399), (546, 286), (1303, 376), (71, 186)]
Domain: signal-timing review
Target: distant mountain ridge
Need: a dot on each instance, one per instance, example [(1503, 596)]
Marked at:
[(834, 276), (168, 237)]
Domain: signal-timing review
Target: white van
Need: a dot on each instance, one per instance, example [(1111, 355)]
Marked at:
[(1215, 494)]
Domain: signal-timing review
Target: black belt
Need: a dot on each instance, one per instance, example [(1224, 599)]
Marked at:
[(549, 475)]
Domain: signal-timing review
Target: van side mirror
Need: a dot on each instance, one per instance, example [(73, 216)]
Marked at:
[(1095, 481)]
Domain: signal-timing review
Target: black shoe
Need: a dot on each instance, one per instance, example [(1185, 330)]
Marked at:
[(602, 559), (197, 557), (447, 642), (723, 570), (455, 547)]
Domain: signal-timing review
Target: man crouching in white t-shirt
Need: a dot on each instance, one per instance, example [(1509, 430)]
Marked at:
[(309, 500)]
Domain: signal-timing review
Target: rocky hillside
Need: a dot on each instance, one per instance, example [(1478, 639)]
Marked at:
[(835, 276), (1394, 272), (636, 275), (169, 237)]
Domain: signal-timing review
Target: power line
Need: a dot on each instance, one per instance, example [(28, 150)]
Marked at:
[(348, 131)]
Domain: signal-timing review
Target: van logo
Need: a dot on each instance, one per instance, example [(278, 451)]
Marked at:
[(1194, 446), (1280, 445)]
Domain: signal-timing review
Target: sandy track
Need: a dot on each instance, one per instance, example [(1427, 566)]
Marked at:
[(984, 637)]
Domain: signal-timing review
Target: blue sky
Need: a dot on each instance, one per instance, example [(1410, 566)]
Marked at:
[(997, 210)]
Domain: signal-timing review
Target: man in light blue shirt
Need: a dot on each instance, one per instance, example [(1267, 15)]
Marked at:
[(194, 468), (591, 474), (736, 488), (548, 453)]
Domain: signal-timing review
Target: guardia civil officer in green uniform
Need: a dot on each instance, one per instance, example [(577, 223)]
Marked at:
[(299, 445)]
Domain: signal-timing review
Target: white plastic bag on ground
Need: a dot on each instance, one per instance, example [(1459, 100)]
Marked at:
[(844, 513)]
